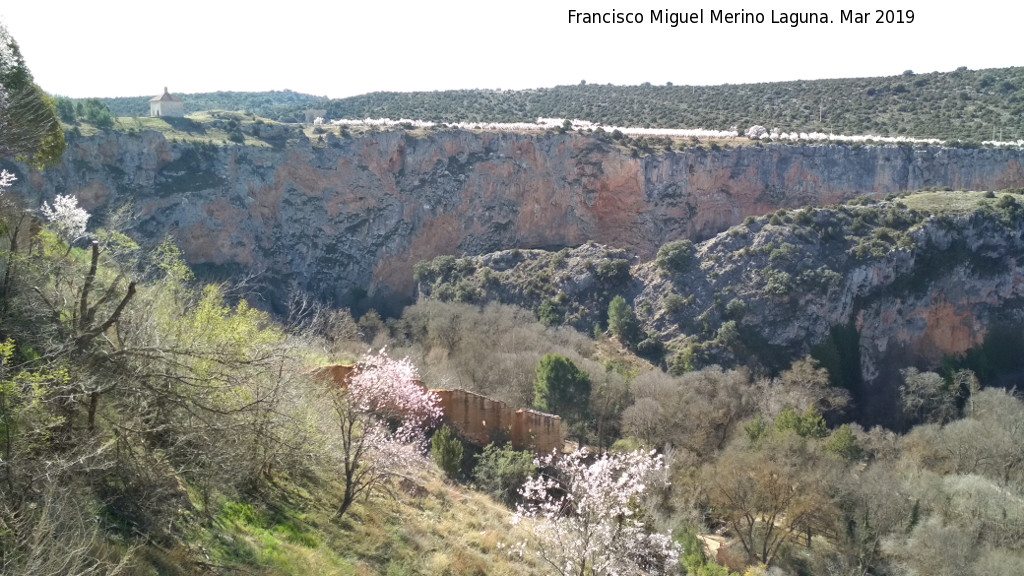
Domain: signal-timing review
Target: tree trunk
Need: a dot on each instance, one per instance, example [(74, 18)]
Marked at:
[(345, 502), (94, 400)]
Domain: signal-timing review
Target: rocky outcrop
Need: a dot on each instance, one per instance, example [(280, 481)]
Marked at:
[(352, 216), (875, 288), (915, 288)]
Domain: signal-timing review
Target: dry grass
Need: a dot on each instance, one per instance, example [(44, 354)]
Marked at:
[(957, 202), (199, 127)]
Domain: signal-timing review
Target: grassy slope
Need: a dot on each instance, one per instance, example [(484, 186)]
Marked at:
[(947, 202), (421, 525), (200, 129)]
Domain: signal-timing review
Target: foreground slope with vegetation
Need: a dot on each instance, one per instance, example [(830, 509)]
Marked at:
[(150, 426)]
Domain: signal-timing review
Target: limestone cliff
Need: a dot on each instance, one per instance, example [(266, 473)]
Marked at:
[(876, 287), (353, 215)]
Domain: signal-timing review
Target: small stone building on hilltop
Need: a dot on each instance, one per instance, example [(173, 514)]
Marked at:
[(166, 105)]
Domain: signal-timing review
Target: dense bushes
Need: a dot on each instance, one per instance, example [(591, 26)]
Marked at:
[(674, 257), (930, 106), (501, 471)]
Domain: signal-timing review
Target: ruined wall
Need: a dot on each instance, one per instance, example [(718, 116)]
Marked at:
[(479, 419), (337, 373), (482, 420), (537, 431)]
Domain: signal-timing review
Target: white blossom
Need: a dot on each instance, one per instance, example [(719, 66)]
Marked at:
[(383, 415), (592, 518), (754, 132), (6, 180), (66, 217)]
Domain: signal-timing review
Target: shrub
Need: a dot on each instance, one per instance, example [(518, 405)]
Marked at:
[(446, 451), (371, 324), (675, 257), (614, 271), (729, 334), (651, 348), (465, 291), (810, 424), (548, 313), (777, 282), (736, 309), (501, 471), (622, 321), (805, 216), (685, 360), (673, 303), (844, 444), (785, 251)]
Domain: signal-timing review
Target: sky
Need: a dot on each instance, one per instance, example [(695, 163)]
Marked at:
[(338, 48)]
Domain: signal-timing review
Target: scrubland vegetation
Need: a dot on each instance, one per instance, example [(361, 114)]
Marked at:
[(966, 105), (963, 104)]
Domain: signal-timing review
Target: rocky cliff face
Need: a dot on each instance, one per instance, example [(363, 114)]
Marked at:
[(353, 215), (872, 288)]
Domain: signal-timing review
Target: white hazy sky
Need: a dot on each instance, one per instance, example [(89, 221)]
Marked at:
[(342, 48)]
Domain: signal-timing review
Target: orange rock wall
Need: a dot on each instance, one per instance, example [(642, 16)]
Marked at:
[(357, 213)]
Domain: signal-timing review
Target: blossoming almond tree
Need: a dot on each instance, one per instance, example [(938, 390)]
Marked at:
[(383, 413), (589, 519), (6, 180), (66, 217)]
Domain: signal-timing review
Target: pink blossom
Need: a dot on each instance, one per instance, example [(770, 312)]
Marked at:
[(591, 518), (383, 415)]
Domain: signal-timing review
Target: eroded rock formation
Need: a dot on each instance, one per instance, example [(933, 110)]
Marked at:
[(352, 216)]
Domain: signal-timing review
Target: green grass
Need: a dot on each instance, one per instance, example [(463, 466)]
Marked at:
[(422, 525), (204, 127), (956, 202)]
